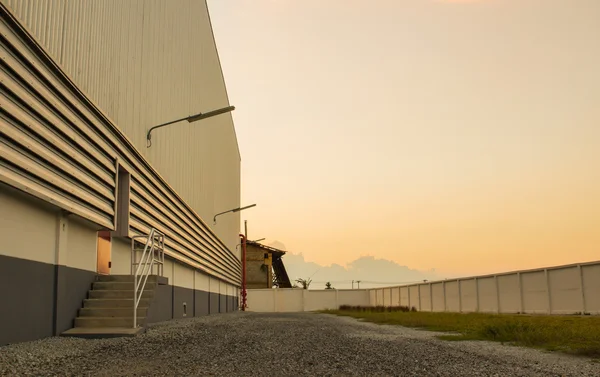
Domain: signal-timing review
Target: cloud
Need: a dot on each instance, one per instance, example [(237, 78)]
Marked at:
[(371, 271)]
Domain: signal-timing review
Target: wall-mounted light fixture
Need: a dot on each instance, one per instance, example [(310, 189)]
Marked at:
[(232, 210), (190, 119)]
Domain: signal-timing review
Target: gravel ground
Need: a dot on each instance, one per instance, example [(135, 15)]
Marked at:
[(298, 344)]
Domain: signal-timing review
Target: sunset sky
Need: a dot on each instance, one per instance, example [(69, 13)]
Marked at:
[(457, 135)]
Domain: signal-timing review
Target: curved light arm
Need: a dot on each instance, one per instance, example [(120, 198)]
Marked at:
[(232, 210), (190, 119)]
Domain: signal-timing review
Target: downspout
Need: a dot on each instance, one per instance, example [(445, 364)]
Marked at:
[(243, 237)]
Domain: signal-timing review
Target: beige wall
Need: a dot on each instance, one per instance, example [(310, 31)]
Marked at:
[(568, 289), (145, 63), (27, 230), (201, 282), (120, 255), (81, 245), (299, 300), (33, 230)]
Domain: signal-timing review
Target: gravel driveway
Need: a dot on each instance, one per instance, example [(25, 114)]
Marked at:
[(299, 344)]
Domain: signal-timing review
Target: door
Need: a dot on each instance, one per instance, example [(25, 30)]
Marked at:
[(104, 252)]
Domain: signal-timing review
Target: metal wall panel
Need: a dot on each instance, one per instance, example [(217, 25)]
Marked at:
[(145, 62), (44, 109)]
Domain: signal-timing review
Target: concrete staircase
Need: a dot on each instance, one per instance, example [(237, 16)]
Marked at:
[(108, 310)]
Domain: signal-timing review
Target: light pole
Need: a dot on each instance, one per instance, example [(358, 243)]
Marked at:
[(358, 282), (190, 119), (232, 210)]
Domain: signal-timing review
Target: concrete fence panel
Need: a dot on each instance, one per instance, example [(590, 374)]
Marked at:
[(261, 300), (468, 295), (372, 297), (565, 290), (413, 297), (437, 297), (379, 297), (590, 276), (452, 296), (290, 300), (487, 295), (387, 297), (320, 300), (360, 297), (535, 292), (404, 299), (396, 296), (509, 298), (425, 297)]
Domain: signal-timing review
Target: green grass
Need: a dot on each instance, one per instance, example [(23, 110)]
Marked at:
[(569, 334)]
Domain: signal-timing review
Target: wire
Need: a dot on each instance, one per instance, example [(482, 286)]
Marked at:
[(369, 282)]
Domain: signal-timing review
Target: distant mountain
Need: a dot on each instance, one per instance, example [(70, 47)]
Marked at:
[(371, 271)]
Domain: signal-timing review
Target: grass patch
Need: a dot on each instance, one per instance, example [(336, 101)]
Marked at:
[(569, 334)]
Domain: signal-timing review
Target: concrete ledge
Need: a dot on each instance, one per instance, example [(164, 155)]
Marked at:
[(102, 332)]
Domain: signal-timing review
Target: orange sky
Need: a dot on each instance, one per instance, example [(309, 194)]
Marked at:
[(460, 137)]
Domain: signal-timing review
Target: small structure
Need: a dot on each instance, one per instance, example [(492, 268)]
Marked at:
[(264, 267)]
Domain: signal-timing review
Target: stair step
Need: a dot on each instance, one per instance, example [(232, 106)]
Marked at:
[(112, 294), (126, 322), (112, 312), (122, 278), (129, 278), (113, 302), (102, 332), (120, 285)]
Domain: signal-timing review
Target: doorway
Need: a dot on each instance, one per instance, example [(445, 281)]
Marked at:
[(104, 252)]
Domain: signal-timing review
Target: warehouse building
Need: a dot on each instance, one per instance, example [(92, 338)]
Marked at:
[(82, 83)]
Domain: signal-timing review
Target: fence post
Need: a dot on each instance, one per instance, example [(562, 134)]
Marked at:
[(408, 289), (521, 298), (337, 303), (444, 294), (304, 300), (476, 295), (459, 297), (430, 298), (548, 290), (582, 287), (497, 294)]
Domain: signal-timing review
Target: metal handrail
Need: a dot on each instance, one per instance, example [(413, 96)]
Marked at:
[(152, 253)]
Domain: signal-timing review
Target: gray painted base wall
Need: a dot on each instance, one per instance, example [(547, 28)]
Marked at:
[(213, 305), (40, 300), (201, 303)]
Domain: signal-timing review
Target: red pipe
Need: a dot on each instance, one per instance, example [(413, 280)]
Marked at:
[(243, 237)]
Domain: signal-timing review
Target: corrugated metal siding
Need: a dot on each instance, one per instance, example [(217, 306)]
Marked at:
[(145, 62), (42, 149), (36, 94), (45, 19)]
